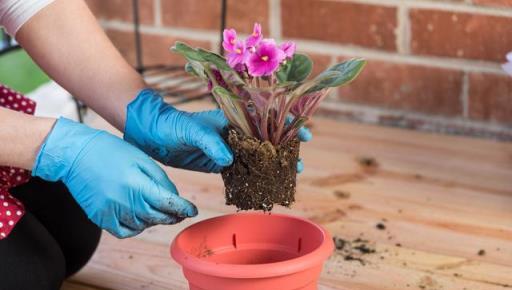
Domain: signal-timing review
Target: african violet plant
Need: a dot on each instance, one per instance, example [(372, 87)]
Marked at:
[(265, 93)]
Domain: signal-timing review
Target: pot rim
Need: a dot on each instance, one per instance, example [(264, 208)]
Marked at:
[(282, 268)]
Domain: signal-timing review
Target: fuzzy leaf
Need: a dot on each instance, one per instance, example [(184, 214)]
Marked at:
[(297, 69), (235, 113), (232, 77), (339, 74), (323, 80), (187, 51), (215, 59), (222, 92), (196, 69)]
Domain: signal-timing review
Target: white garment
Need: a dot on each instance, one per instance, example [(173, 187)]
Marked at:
[(14, 13), (508, 66)]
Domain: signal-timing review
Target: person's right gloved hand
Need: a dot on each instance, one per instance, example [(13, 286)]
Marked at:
[(118, 186)]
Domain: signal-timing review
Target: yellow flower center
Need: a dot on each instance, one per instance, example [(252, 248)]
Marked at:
[(264, 58), (238, 50), (232, 41)]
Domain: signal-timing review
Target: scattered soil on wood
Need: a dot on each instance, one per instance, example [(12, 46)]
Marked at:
[(380, 226), (354, 250), (481, 253), (261, 175)]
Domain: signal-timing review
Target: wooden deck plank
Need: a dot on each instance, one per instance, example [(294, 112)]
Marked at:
[(443, 199)]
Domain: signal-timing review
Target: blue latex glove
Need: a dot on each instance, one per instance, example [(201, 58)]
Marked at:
[(176, 138), (181, 139), (118, 186)]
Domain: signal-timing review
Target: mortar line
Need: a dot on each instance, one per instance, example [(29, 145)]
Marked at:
[(400, 30), (328, 48), (406, 32), (157, 10), (450, 7), (372, 112), (195, 34), (275, 19), (464, 95)]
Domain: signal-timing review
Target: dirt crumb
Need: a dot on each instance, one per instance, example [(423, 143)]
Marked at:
[(355, 250), (368, 164), (428, 283), (380, 226), (481, 252), (342, 194), (368, 161)]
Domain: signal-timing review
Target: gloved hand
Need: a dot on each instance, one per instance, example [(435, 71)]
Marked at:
[(181, 139), (119, 187)]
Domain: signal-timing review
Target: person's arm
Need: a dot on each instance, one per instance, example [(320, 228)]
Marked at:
[(22, 136), (66, 41)]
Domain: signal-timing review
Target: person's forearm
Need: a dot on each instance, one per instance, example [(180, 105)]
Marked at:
[(68, 44), (22, 137)]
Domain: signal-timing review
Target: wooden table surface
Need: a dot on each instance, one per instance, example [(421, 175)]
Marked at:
[(444, 202)]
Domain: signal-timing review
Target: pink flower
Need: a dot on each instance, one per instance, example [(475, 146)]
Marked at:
[(229, 41), (252, 41), (288, 48), (265, 60), (238, 56)]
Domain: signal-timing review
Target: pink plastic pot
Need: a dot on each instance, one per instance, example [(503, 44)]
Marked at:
[(252, 252)]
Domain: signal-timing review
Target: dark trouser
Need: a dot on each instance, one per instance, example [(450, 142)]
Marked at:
[(52, 241)]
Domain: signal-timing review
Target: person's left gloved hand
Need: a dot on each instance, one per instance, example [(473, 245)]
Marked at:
[(181, 139)]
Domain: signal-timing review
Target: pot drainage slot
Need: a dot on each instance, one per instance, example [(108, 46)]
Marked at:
[(299, 245), (234, 240)]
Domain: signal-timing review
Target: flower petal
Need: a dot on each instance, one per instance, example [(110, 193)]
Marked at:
[(229, 39)]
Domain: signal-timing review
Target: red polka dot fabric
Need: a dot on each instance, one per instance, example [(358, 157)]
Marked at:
[(11, 209)]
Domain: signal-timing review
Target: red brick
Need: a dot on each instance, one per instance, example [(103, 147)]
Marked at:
[(490, 97), (122, 10), (205, 14), (461, 35), (497, 3), (342, 22), (408, 87), (241, 15), (155, 48)]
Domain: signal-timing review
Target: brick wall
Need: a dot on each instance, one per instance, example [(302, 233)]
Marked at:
[(433, 65)]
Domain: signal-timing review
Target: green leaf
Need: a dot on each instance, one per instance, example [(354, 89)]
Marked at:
[(222, 92), (339, 74), (230, 105), (201, 55), (213, 58), (322, 81), (195, 68), (232, 77), (187, 51), (297, 69)]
